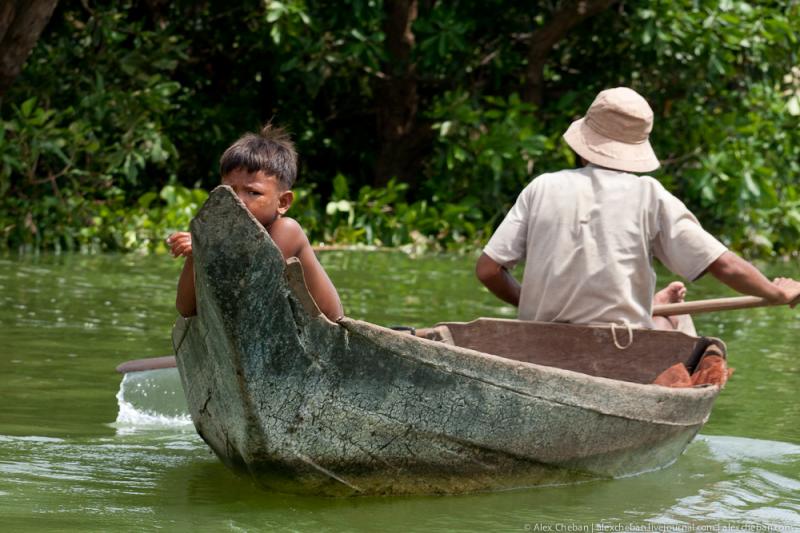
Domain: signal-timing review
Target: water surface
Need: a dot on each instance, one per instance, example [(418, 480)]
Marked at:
[(75, 457)]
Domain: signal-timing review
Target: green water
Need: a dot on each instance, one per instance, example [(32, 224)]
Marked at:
[(73, 457)]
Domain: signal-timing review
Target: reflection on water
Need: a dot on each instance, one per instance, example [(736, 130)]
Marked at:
[(158, 478), (758, 484), (74, 458)]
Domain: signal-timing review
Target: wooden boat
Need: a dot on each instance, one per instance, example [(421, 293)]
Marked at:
[(303, 404)]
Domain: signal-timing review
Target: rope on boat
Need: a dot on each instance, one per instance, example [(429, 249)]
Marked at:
[(614, 335)]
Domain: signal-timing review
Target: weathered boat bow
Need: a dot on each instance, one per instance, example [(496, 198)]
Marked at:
[(307, 405)]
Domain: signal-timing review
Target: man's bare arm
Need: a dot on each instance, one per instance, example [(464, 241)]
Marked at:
[(745, 278), (497, 279)]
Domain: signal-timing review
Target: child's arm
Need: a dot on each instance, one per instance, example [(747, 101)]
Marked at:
[(180, 244), (292, 242)]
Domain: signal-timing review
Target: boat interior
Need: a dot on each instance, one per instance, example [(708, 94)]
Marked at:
[(669, 358), (636, 355)]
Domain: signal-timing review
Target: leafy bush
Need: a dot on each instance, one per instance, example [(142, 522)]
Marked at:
[(487, 150), (133, 99), (383, 217)]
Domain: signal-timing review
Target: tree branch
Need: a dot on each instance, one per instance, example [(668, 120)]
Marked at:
[(569, 14), (21, 23)]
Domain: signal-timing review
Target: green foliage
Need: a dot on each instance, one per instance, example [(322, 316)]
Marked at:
[(383, 217), (117, 123), (729, 93), (92, 139), (486, 151), (144, 229)]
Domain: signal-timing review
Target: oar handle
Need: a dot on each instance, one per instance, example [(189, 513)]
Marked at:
[(709, 306), (151, 363)]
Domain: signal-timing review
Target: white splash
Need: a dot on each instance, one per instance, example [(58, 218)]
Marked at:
[(151, 399)]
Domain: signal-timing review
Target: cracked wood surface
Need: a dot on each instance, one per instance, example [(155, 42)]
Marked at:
[(305, 405)]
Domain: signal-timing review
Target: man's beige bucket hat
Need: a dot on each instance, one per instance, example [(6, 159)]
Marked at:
[(614, 133)]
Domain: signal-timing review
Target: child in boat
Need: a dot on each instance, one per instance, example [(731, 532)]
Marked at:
[(261, 169), (588, 235)]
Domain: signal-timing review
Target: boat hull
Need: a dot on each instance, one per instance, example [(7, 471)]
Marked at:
[(306, 405)]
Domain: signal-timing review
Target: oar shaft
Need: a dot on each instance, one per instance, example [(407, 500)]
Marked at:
[(151, 363), (709, 306)]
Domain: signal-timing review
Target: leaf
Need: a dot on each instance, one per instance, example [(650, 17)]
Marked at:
[(275, 33), (146, 199), (343, 206), (793, 105), (275, 10), (27, 106), (169, 194), (793, 215), (750, 184), (341, 189)]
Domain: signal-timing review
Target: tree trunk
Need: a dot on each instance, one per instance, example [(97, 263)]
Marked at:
[(569, 14), (402, 140), (21, 23)]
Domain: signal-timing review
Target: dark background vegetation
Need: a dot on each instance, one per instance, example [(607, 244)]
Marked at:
[(417, 121)]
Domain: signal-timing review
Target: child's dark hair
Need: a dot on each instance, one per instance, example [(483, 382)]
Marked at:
[(271, 151)]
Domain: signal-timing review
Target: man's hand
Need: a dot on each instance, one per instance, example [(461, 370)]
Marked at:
[(180, 244), (790, 289), (745, 278)]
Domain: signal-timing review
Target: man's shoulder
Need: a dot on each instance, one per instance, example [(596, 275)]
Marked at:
[(562, 174), (559, 179), (642, 181), (559, 176), (651, 181), (654, 185)]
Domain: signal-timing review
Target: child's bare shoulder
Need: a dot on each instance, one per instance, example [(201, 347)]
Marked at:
[(288, 234), (289, 227)]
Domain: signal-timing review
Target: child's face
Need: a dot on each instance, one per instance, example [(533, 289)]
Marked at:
[(263, 195)]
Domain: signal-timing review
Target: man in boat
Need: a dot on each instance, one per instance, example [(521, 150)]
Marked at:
[(261, 169), (588, 235)]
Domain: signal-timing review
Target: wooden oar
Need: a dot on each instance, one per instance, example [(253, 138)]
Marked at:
[(150, 363), (683, 308), (712, 305)]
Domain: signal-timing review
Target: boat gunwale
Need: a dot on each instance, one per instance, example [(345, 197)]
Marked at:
[(657, 394)]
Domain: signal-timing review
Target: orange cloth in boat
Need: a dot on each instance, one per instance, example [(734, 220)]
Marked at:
[(712, 370), (674, 376)]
